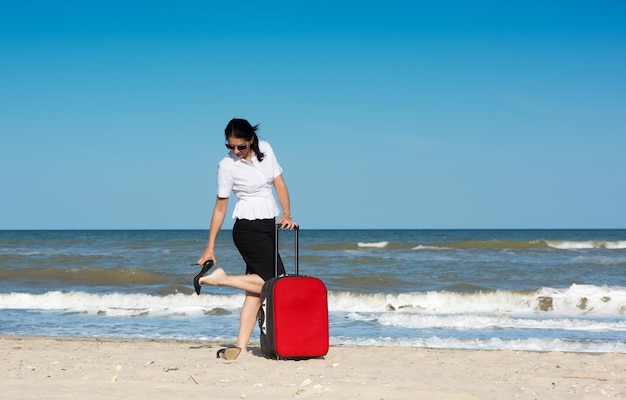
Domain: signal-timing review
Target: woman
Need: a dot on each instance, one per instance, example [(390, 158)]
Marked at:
[(249, 170)]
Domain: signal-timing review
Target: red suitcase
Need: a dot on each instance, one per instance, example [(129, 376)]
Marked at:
[(293, 317)]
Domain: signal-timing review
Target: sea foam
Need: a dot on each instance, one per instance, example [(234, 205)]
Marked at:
[(378, 245), (572, 301)]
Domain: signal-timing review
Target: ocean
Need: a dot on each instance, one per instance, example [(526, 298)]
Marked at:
[(537, 290)]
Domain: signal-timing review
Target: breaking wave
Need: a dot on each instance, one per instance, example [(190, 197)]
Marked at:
[(480, 245), (577, 300)]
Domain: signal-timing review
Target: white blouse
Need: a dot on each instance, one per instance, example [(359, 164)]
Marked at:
[(251, 183)]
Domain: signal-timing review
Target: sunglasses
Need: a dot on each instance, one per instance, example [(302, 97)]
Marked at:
[(241, 147)]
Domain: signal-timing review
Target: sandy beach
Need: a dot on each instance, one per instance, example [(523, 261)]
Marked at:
[(71, 368)]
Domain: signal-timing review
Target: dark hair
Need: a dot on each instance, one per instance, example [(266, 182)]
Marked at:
[(241, 129)]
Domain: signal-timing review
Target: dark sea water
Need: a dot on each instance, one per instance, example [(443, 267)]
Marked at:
[(473, 289)]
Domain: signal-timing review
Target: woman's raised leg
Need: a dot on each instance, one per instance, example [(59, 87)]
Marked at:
[(250, 283)]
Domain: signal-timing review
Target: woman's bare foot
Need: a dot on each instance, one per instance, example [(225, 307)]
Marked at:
[(246, 353), (214, 279)]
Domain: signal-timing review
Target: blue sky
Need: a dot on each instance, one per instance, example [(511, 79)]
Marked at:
[(383, 114)]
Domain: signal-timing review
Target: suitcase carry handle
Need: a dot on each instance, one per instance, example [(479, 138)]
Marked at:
[(276, 229)]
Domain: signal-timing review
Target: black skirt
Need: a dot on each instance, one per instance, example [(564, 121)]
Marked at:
[(255, 241)]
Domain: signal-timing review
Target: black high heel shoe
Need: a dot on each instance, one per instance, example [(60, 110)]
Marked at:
[(196, 279)]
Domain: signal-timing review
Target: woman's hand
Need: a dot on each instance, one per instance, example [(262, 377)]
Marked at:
[(286, 222), (207, 255)]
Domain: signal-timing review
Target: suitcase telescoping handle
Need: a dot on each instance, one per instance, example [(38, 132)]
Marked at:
[(296, 230)]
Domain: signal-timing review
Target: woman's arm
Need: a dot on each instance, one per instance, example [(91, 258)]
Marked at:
[(282, 192), (217, 220)]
